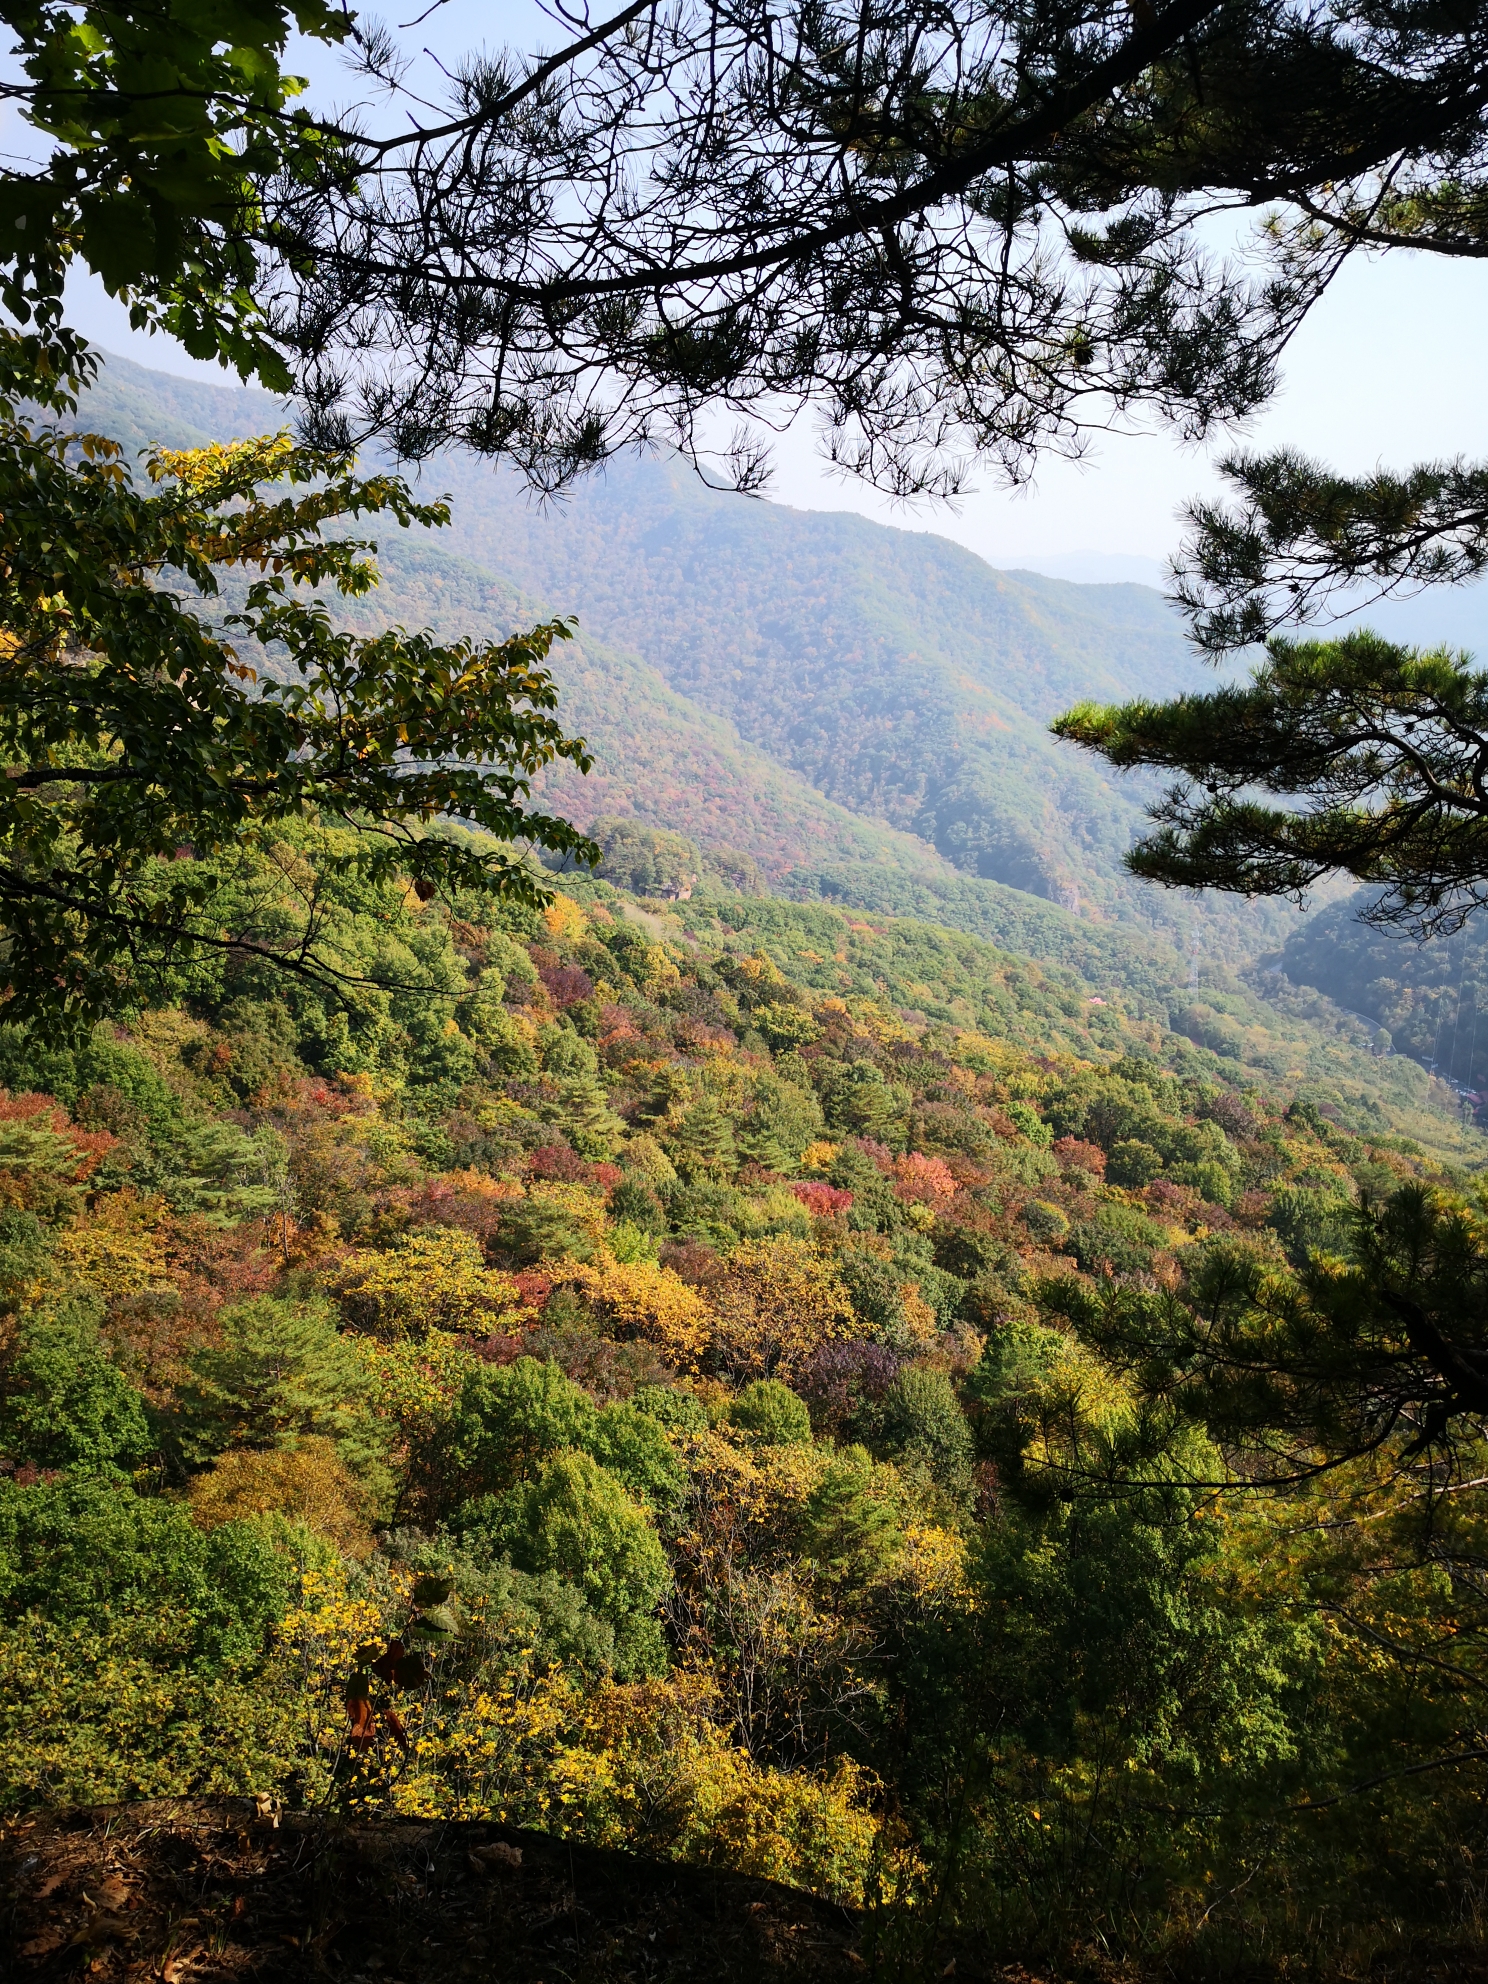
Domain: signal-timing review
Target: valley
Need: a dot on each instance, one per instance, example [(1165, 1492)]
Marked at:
[(860, 710)]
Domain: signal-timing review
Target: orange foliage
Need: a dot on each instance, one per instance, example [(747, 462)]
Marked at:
[(44, 1156), (563, 918), (926, 1180), (89, 1145), (225, 1263), (469, 1200), (616, 1026), (1073, 1153)]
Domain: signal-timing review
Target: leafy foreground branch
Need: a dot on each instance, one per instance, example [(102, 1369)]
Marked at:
[(148, 767), (1302, 541), (961, 233)]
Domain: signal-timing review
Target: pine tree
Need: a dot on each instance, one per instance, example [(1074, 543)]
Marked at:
[(1376, 757), (701, 1143), (282, 1370)]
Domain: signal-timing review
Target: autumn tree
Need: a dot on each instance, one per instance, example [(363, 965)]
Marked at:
[(155, 761), (144, 754), (777, 1302)]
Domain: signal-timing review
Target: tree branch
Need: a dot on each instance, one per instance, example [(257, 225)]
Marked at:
[(1015, 142)]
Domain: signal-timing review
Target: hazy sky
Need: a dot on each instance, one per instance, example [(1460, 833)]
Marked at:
[(1385, 370)]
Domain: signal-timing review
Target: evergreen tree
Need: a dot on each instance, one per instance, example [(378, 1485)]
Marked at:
[(923, 1423), (507, 1424), (1375, 756), (575, 1519), (581, 1106), (782, 1120), (958, 232), (281, 1371), (968, 225), (1384, 1341), (701, 1142), (772, 1414)]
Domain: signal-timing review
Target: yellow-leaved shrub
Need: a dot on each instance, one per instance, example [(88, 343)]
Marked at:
[(427, 1281), (638, 1299), (645, 1766), (779, 1300), (118, 1248), (307, 1483), (652, 1769)]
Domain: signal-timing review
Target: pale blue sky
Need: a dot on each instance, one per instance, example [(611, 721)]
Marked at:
[(1386, 370)]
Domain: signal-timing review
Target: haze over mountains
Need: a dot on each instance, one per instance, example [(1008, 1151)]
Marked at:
[(862, 710), (896, 672)]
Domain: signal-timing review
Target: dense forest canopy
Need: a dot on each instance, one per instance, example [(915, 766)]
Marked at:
[(750, 1383), (1425, 997)]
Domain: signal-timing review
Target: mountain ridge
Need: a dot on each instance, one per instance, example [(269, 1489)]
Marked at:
[(883, 695)]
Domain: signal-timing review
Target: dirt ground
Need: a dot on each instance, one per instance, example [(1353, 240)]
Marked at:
[(195, 1893), (222, 1892)]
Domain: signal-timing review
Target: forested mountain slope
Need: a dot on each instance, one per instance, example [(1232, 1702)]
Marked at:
[(862, 710), (899, 673), (659, 757), (1429, 998), (642, 1376)]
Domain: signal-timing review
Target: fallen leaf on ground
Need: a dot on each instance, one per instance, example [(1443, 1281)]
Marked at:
[(45, 1943), (103, 1926)]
